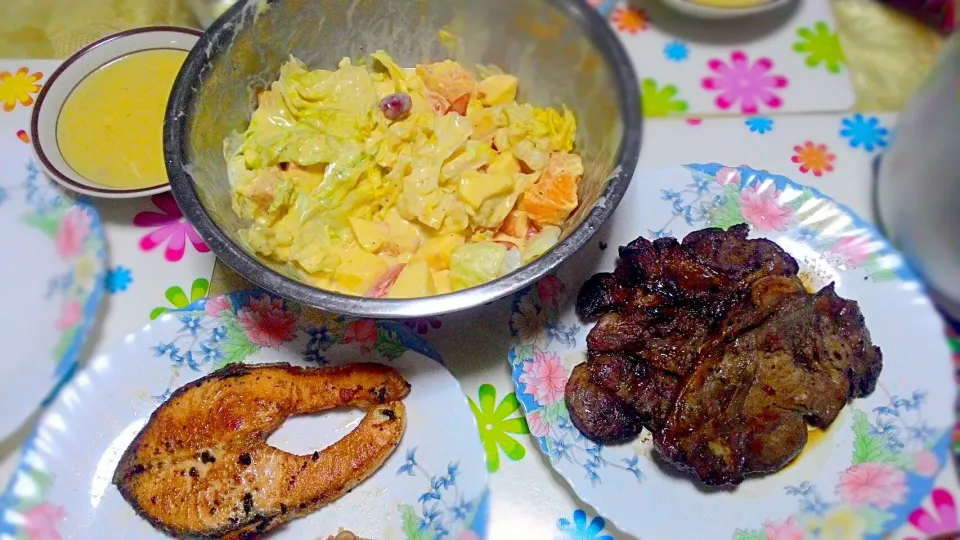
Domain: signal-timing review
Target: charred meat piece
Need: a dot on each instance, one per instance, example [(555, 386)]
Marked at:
[(201, 466), (597, 412), (714, 345), (746, 408)]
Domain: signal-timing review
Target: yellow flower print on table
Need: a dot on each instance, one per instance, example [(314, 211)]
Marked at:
[(19, 86)]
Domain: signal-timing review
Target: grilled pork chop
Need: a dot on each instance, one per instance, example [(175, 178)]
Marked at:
[(714, 345), (202, 467)]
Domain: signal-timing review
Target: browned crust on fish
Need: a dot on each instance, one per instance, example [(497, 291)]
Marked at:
[(201, 467)]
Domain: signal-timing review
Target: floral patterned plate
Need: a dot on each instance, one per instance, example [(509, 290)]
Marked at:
[(872, 467), (433, 486), (52, 272)]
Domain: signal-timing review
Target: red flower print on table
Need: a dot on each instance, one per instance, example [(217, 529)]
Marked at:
[(630, 19), (42, 521), (363, 332), (423, 324), (72, 231), (267, 321), (169, 226), (854, 250), (784, 530), (815, 158), (19, 86), (873, 484), (545, 378), (944, 523), (762, 209), (741, 81), (214, 306)]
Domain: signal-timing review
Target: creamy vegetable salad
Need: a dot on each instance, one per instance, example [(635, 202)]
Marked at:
[(375, 180)]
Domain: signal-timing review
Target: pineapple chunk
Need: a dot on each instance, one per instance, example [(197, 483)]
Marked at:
[(436, 250), (403, 236), (441, 278), (476, 187), (370, 235), (497, 90), (414, 281), (504, 163), (358, 270)]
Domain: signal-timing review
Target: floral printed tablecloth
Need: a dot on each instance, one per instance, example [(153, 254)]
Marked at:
[(157, 262)]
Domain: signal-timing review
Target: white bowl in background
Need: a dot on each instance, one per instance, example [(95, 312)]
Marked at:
[(724, 9), (71, 73)]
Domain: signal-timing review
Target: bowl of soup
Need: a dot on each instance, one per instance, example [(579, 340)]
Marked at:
[(97, 126)]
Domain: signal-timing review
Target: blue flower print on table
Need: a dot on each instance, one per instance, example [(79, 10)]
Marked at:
[(118, 279), (759, 124), (865, 131), (676, 51), (580, 529)]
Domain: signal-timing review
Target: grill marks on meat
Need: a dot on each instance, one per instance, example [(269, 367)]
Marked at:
[(201, 466), (714, 346)]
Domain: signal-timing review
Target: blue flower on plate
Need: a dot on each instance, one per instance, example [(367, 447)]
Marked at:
[(315, 356), (864, 131), (118, 279), (579, 529), (190, 324), (759, 124), (410, 463), (462, 509), (211, 354), (165, 349), (217, 335), (676, 51)]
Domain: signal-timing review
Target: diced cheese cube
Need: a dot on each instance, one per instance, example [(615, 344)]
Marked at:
[(497, 89), (504, 163), (476, 187), (437, 249), (358, 270), (415, 281), (403, 236), (370, 235), (441, 279)]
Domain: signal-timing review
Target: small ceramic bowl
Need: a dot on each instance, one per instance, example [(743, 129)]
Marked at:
[(71, 73), (724, 9)]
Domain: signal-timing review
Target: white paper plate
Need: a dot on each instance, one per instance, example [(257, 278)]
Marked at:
[(434, 483), (877, 461)]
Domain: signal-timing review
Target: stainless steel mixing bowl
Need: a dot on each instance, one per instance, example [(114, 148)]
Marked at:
[(562, 51)]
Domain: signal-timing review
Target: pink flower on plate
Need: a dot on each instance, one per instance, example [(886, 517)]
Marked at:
[(217, 304), (74, 228), (537, 426), (728, 176), (363, 332), (853, 249), (762, 209), (926, 463), (42, 521), (783, 530), (169, 226), (744, 82), (267, 321), (551, 291), (69, 315), (876, 484), (544, 377), (944, 523)]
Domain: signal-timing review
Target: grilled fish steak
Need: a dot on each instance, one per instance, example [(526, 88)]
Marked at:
[(714, 345), (201, 466)]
